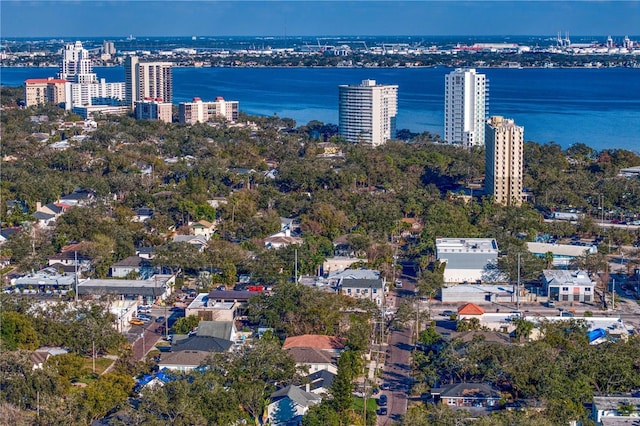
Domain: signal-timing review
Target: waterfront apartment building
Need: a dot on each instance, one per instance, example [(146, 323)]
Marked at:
[(97, 93), (367, 112), (147, 80), (154, 109), (198, 111), (76, 65), (504, 161), (465, 107), (44, 90)]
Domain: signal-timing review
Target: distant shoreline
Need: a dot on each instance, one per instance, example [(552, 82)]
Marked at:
[(356, 67)]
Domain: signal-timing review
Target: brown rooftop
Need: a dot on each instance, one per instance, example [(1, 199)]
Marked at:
[(317, 341)]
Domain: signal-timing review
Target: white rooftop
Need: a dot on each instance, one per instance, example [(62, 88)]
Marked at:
[(466, 245)]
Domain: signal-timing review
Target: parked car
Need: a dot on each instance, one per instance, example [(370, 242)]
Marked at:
[(447, 313), (159, 319), (398, 283), (382, 400), (135, 321), (382, 411), (551, 304), (385, 386)]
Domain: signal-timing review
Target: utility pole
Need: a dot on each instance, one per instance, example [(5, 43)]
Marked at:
[(518, 287), (75, 262), (613, 294)]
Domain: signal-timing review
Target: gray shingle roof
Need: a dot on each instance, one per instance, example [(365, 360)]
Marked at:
[(358, 283), (200, 343), (300, 397)]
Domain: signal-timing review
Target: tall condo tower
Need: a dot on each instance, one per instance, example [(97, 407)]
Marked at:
[(76, 65), (367, 112), (465, 107), (504, 161), (147, 80)]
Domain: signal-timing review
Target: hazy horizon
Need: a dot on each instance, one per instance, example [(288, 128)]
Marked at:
[(269, 18)]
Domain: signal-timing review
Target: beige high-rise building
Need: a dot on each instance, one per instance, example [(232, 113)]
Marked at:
[(198, 111), (44, 90), (147, 80), (154, 109), (504, 160)]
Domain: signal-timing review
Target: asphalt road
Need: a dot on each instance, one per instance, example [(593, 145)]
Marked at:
[(397, 368), (144, 337)]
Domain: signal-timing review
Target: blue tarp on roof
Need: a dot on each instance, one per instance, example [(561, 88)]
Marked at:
[(596, 334)]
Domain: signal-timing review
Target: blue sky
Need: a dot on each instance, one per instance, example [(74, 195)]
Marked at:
[(97, 18)]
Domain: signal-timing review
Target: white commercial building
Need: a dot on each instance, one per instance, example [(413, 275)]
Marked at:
[(367, 112), (504, 161), (465, 107), (469, 260), (198, 111), (569, 286)]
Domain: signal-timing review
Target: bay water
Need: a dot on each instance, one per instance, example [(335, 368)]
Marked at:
[(596, 106)]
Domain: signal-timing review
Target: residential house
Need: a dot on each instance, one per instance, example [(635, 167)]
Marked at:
[(319, 382), (467, 395), (6, 233), (142, 214), (565, 285), (40, 356), (339, 263), (202, 228), (335, 277), (182, 361), (364, 289), (320, 342), (201, 344), (46, 215), (289, 404), (311, 360), (146, 252), (81, 197), (616, 410), (221, 329), (133, 264), (282, 239), (198, 241), (70, 258)]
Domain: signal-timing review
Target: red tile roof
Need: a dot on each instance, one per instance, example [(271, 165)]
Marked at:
[(316, 341), (470, 309), (44, 80)]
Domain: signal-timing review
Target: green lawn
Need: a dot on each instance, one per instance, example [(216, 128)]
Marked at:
[(372, 405), (101, 364)]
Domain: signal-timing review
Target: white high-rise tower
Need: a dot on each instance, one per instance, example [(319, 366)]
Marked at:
[(465, 107), (76, 65), (367, 112)]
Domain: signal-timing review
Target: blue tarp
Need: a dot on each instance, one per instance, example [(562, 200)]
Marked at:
[(596, 334)]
